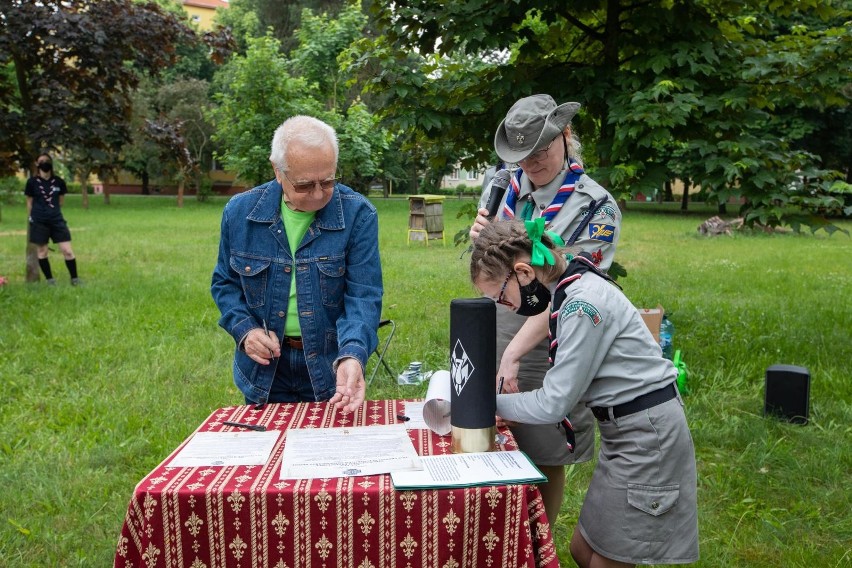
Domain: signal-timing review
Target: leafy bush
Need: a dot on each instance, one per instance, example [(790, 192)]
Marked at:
[(10, 189)]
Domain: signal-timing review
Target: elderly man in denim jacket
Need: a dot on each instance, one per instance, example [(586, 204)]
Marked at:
[(298, 278)]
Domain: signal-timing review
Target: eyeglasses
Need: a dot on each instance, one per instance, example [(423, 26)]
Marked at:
[(540, 155), (500, 299), (308, 186)]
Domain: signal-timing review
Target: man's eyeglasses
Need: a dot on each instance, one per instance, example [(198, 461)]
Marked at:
[(308, 186), (500, 299)]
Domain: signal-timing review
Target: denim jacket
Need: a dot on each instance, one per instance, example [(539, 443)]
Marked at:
[(338, 278)]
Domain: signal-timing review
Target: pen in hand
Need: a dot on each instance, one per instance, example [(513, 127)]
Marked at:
[(255, 427), (500, 386), (266, 331)]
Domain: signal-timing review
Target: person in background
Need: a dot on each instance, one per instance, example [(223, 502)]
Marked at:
[(298, 279), (488, 175), (45, 193), (641, 504), (549, 184)]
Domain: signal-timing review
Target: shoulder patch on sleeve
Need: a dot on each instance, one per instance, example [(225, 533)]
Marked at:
[(580, 308), (606, 211), (601, 232)]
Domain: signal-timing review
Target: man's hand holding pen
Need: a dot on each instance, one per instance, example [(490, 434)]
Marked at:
[(262, 345)]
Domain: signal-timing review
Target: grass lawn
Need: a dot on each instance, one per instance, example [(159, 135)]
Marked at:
[(101, 382)]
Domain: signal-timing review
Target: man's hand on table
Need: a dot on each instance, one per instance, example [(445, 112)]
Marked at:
[(351, 387)]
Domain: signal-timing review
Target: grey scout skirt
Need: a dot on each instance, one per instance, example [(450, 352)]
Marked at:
[(641, 505)]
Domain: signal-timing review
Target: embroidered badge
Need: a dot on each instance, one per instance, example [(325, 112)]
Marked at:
[(605, 211), (580, 308), (520, 138), (601, 232)]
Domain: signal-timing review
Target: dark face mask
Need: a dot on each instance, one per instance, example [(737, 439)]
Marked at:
[(534, 298), (45, 166)]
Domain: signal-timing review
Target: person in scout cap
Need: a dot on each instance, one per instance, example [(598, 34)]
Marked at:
[(549, 183), (641, 504)]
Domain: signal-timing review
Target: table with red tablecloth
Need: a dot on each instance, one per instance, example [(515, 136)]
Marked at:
[(246, 516)]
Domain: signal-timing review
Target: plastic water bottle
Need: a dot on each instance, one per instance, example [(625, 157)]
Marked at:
[(666, 334)]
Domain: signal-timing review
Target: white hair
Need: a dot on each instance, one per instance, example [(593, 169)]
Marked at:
[(307, 131), (575, 149)]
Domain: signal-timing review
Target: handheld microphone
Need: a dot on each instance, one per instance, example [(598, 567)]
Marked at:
[(498, 188)]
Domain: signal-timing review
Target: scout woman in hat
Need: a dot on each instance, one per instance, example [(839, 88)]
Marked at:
[(549, 184), (640, 507)]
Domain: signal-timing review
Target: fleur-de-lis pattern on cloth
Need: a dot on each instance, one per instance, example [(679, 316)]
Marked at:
[(247, 516)]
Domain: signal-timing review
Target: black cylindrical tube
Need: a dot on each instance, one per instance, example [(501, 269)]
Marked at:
[(473, 349)]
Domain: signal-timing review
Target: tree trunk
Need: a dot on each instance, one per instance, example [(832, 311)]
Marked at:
[(180, 193), (668, 195), (723, 209), (84, 187), (32, 274), (32, 270), (684, 202), (145, 189)]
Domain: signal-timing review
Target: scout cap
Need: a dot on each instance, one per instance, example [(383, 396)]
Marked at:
[(530, 125)]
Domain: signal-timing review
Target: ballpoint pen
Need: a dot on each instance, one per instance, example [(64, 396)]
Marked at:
[(255, 427), (266, 331), (500, 386)]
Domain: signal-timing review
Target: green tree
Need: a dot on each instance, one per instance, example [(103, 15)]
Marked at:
[(255, 94), (281, 18), (322, 38), (75, 65), (363, 146), (699, 82), (141, 156), (187, 102)]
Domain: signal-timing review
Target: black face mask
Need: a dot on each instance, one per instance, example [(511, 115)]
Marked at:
[(534, 298), (45, 166)]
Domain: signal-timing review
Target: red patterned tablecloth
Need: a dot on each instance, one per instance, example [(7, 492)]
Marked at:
[(245, 516)]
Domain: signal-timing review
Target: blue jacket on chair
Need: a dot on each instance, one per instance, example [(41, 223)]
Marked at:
[(338, 278)]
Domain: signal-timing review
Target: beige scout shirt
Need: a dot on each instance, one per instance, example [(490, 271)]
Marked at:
[(606, 356)]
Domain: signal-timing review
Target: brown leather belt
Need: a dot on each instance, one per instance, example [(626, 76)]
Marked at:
[(293, 342)]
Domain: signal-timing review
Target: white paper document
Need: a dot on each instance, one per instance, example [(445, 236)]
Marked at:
[(414, 413), (436, 409), (466, 470), (344, 452), (226, 448)]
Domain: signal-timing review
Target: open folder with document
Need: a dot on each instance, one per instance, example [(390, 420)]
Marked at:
[(468, 470)]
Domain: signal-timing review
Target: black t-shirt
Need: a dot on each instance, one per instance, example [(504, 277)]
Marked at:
[(45, 194)]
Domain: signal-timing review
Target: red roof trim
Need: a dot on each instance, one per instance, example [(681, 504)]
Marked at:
[(206, 3)]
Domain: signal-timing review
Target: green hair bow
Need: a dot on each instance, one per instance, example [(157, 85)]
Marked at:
[(540, 253)]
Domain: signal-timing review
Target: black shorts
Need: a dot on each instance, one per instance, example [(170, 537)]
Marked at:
[(57, 231)]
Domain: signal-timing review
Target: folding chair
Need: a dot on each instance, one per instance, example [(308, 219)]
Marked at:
[(382, 349)]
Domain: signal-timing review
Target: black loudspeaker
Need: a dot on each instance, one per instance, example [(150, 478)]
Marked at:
[(787, 395)]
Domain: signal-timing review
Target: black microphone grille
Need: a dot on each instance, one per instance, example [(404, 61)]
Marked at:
[(501, 179)]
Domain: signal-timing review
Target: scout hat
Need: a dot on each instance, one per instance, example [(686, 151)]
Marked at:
[(530, 125)]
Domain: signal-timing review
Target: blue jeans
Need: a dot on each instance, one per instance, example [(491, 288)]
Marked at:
[(292, 382)]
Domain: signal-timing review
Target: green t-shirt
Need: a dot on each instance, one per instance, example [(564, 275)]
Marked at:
[(296, 224)]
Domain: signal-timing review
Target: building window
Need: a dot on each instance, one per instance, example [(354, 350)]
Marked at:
[(455, 174), (472, 175)]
